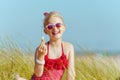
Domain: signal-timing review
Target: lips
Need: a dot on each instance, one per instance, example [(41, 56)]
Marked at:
[(55, 33)]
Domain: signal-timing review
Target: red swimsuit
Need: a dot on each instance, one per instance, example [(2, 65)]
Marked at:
[(53, 68)]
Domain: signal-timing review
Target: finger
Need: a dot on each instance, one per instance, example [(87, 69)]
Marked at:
[(44, 50), (41, 50), (42, 47), (42, 42)]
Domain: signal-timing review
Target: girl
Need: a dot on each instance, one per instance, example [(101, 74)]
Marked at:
[(55, 56)]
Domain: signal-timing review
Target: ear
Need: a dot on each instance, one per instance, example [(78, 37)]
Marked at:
[(45, 31)]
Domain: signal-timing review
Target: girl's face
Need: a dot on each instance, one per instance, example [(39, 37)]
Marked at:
[(55, 28)]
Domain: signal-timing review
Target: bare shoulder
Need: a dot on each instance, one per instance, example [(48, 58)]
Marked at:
[(68, 48), (68, 45)]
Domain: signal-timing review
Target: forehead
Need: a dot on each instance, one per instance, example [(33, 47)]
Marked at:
[(54, 20)]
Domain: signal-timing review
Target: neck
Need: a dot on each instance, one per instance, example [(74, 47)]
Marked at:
[(55, 43)]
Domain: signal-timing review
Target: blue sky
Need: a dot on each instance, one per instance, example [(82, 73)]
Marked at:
[(92, 24)]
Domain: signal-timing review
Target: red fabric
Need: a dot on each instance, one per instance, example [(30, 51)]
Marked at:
[(53, 68)]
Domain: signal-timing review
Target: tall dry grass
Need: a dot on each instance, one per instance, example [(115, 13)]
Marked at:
[(13, 60)]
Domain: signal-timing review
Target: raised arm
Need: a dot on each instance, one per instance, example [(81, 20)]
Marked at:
[(71, 70), (39, 59)]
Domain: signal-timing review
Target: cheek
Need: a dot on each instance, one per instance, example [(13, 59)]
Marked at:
[(46, 31), (49, 32), (62, 28)]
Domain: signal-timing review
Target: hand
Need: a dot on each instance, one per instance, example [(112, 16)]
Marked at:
[(42, 50)]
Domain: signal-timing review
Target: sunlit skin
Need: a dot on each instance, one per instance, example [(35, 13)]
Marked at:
[(55, 36), (55, 33)]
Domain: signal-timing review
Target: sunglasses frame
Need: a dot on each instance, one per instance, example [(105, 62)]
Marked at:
[(51, 26)]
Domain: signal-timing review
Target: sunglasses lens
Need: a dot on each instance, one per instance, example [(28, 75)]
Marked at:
[(50, 26), (58, 25)]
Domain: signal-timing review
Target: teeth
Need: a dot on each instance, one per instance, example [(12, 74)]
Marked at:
[(54, 33)]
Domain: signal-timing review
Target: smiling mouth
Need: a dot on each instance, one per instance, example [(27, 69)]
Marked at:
[(55, 33)]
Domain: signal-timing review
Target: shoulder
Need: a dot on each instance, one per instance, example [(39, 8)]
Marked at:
[(68, 45), (68, 48)]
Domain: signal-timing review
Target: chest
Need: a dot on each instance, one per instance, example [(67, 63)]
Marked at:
[(57, 52)]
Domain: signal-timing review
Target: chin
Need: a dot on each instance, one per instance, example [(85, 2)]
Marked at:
[(57, 37)]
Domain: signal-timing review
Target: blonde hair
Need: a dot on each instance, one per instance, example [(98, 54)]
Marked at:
[(49, 15)]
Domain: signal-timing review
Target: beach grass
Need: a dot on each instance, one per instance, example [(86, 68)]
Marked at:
[(13, 60)]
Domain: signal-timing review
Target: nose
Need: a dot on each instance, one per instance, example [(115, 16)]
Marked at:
[(54, 27)]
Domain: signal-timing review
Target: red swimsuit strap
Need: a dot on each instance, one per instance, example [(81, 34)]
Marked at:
[(62, 48)]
